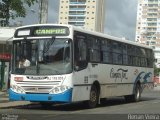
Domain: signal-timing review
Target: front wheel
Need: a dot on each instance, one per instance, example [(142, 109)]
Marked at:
[(94, 97), (46, 104)]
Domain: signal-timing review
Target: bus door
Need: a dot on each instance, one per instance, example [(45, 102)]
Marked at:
[(80, 60), (81, 71)]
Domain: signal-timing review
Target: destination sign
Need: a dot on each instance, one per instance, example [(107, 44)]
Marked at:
[(51, 31), (42, 31)]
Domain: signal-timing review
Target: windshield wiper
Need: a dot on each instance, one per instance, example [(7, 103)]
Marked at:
[(47, 46)]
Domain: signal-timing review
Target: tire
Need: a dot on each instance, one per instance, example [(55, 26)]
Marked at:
[(136, 96), (103, 101), (94, 97)]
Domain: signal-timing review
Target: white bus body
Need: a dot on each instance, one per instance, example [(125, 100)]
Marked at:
[(99, 73)]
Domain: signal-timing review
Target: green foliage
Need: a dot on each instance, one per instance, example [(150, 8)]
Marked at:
[(156, 70), (11, 9)]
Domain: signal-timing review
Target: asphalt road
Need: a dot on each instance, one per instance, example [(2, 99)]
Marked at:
[(113, 108)]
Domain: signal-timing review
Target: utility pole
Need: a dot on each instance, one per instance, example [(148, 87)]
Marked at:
[(43, 11)]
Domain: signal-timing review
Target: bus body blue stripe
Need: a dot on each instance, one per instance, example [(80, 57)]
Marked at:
[(144, 79), (62, 97)]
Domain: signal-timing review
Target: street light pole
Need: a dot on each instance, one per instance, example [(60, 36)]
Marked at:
[(43, 11)]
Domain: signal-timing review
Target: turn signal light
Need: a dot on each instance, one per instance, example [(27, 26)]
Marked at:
[(18, 79)]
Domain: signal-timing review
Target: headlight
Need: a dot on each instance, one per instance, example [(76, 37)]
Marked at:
[(17, 89), (59, 89)]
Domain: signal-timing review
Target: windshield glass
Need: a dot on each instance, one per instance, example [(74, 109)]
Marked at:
[(42, 57)]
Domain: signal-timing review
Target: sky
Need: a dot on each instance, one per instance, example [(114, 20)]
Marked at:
[(120, 17)]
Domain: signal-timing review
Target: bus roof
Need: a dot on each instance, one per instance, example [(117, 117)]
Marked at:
[(110, 37), (90, 32)]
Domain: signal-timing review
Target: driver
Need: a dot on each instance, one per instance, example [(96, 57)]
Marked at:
[(24, 62)]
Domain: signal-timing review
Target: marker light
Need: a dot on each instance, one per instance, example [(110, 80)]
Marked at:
[(18, 79)]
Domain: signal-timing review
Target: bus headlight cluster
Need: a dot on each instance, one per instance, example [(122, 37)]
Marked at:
[(17, 89), (59, 89)]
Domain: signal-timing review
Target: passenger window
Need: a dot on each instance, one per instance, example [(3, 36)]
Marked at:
[(106, 51), (117, 52), (94, 49)]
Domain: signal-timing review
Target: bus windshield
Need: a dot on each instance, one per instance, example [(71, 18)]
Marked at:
[(43, 56)]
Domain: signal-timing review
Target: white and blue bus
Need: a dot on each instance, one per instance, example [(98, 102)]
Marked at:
[(69, 64)]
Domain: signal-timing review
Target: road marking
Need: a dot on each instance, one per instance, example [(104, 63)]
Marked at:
[(46, 116), (156, 101)]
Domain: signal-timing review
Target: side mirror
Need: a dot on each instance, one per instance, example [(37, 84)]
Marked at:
[(76, 68)]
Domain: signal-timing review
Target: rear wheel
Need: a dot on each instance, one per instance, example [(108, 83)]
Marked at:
[(94, 97), (136, 96)]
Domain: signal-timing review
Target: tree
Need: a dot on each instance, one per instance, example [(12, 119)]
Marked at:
[(156, 70), (11, 9)]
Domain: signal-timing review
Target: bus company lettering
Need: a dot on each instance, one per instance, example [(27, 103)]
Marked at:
[(37, 77), (119, 74)]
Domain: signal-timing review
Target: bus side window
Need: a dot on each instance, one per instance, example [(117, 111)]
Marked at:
[(80, 53)]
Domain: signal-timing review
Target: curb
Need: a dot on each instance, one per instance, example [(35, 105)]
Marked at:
[(12, 104), (2, 93)]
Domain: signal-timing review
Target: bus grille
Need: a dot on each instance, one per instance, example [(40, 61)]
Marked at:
[(37, 89), (38, 86)]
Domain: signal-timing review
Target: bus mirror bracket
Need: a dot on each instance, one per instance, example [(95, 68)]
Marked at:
[(8, 42)]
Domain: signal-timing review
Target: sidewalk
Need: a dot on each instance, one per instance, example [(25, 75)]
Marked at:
[(5, 103), (11, 104), (3, 92)]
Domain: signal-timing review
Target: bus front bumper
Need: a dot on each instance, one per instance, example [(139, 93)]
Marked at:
[(62, 97)]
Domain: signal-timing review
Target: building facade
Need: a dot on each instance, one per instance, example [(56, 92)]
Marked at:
[(6, 34), (88, 14), (148, 24)]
